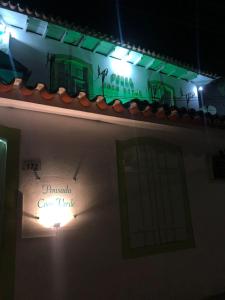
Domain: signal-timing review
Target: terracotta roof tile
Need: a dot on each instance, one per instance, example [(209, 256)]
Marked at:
[(117, 106), (161, 113), (173, 116), (147, 112), (140, 111), (46, 95), (84, 101), (133, 109), (26, 92), (100, 102), (66, 98), (5, 87)]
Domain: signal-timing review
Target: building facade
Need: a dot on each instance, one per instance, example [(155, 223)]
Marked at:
[(108, 189)]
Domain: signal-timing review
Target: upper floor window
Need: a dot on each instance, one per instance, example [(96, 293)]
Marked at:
[(71, 73), (161, 92)]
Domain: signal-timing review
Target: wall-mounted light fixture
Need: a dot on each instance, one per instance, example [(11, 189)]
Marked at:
[(55, 211)]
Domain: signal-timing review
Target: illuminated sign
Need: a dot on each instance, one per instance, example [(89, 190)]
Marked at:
[(49, 203), (55, 205)]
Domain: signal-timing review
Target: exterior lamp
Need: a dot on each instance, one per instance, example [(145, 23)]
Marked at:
[(55, 216), (55, 211), (200, 89)]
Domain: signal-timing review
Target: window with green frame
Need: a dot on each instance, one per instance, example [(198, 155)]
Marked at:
[(9, 173), (71, 73), (155, 213), (161, 92)]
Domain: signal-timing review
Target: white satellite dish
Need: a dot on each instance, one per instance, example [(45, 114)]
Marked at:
[(210, 109)]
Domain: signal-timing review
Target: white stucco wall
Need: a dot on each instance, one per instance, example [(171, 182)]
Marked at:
[(85, 261)]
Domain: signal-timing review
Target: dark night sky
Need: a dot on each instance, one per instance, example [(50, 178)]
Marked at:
[(192, 31)]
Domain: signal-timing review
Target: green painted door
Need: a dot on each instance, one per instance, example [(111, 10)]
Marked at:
[(3, 152), (9, 175)]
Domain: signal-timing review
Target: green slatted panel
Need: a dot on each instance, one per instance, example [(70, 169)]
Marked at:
[(169, 69), (145, 61), (37, 26), (104, 48), (189, 76), (119, 52), (157, 64), (72, 37), (89, 43), (55, 32), (180, 72), (133, 57)]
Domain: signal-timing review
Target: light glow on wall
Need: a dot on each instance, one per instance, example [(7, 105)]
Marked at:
[(5, 37), (54, 213), (121, 67), (6, 31), (2, 28)]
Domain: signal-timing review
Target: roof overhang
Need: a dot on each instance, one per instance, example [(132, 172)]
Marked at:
[(50, 28)]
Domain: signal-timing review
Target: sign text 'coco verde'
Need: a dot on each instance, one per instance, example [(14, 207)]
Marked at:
[(48, 203), (55, 196)]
